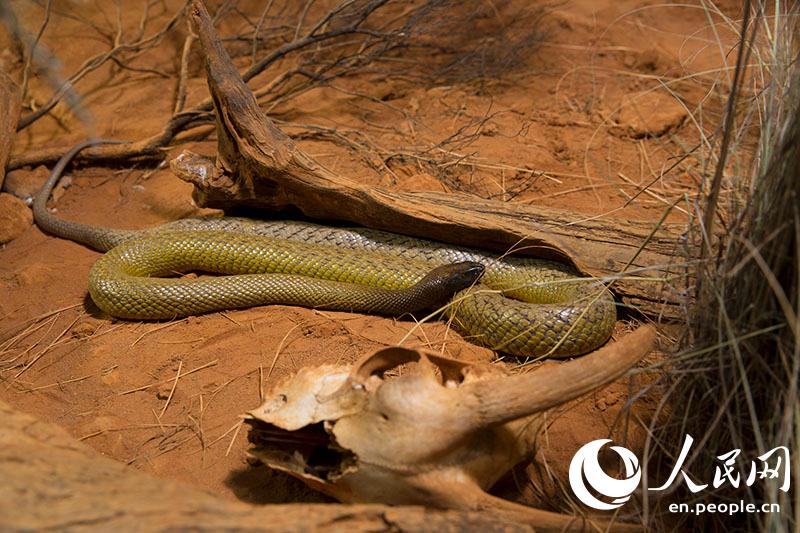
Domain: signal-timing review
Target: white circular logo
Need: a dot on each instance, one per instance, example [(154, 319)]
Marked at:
[(585, 465)]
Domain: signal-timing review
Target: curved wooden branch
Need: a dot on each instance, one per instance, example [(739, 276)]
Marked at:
[(259, 166)]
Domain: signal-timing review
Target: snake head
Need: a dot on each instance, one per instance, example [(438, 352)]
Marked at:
[(460, 275), (444, 281)]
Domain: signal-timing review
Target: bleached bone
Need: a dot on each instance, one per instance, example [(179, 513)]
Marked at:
[(440, 433)]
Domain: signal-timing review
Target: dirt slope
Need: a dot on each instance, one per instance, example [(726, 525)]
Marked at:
[(604, 101)]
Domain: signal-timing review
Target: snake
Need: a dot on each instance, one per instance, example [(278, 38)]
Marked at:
[(522, 306)]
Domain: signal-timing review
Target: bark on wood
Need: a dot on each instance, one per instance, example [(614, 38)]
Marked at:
[(9, 115), (52, 481), (259, 166)]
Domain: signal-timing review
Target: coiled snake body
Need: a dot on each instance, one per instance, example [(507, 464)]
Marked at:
[(521, 306)]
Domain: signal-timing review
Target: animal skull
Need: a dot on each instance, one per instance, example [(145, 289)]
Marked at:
[(439, 434)]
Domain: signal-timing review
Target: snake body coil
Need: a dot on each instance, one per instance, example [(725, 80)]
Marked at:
[(522, 306)]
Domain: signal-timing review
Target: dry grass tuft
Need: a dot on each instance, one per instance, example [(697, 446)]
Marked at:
[(735, 385)]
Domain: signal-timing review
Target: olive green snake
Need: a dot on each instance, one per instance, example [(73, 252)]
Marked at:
[(522, 306)]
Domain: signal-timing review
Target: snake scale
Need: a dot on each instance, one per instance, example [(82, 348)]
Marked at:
[(522, 306)]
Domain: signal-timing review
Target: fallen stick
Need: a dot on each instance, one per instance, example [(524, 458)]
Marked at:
[(258, 166)]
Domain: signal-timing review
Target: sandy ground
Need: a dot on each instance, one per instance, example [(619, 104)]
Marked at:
[(608, 99)]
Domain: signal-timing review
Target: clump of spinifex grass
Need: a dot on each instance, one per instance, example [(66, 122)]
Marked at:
[(735, 386)]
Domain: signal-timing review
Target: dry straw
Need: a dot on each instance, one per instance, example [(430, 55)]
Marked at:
[(735, 385)]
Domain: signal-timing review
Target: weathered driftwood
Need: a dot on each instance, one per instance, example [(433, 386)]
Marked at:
[(50, 481), (259, 166), (9, 114)]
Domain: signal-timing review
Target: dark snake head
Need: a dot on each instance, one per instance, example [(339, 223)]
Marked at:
[(461, 275), (444, 281)]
